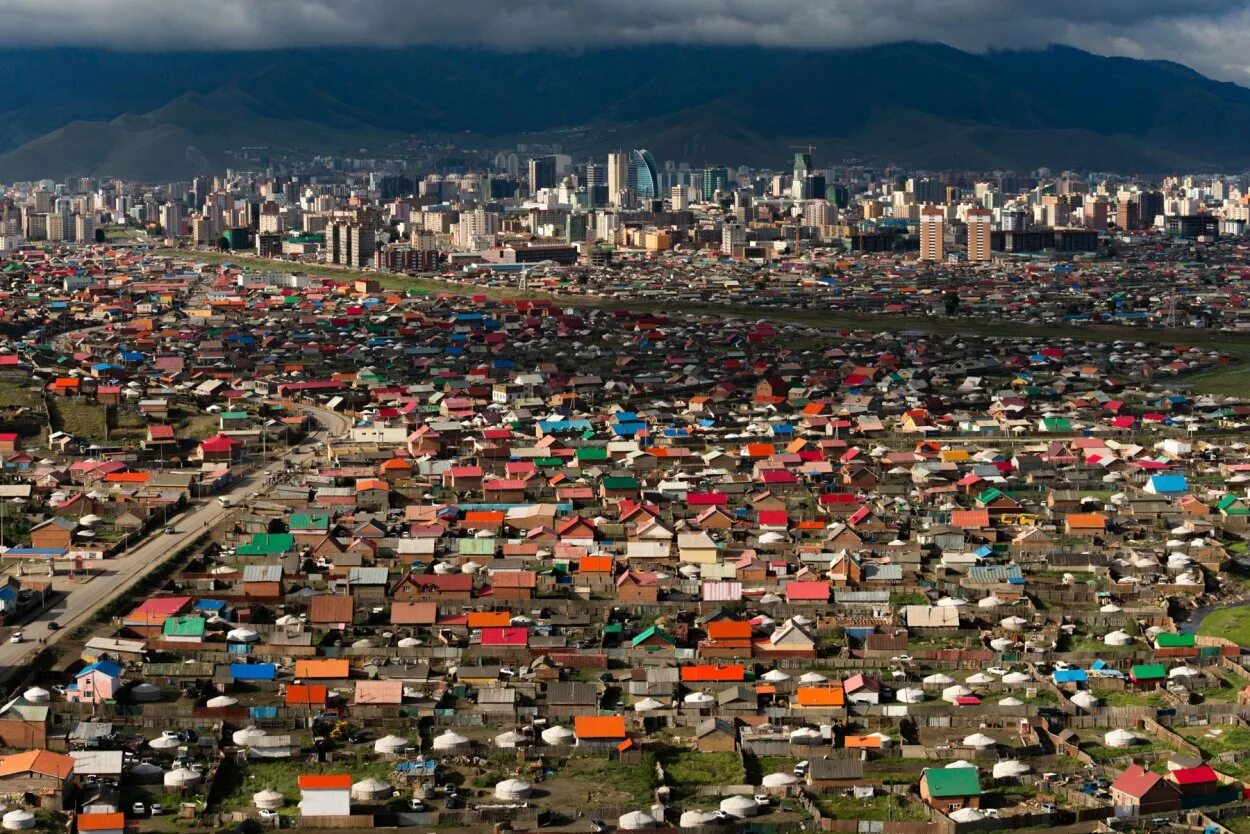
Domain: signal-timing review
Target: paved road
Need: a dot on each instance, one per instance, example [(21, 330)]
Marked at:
[(114, 576)]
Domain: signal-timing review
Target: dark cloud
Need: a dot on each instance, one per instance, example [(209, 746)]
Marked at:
[(1205, 34)]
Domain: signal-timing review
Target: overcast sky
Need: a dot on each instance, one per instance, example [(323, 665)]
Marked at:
[(1208, 35)]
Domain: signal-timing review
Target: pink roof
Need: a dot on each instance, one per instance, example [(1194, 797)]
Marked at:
[(808, 591), (164, 605), (505, 636)]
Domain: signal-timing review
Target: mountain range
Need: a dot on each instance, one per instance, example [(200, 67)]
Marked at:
[(153, 116)]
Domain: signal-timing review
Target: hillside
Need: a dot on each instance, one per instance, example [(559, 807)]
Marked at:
[(912, 104)]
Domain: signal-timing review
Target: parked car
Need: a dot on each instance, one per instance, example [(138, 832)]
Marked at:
[(17, 637), (138, 809), (415, 804)]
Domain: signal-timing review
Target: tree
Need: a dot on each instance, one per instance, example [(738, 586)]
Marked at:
[(99, 235), (950, 300), (223, 243)]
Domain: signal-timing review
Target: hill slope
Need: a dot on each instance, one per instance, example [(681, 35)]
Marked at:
[(913, 104)]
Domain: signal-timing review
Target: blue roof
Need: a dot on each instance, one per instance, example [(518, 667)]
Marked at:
[(1168, 483), (104, 667), (253, 671), (1070, 676), (210, 604), (43, 552)]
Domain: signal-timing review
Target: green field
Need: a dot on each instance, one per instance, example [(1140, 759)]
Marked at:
[(877, 809), (690, 768), (237, 782), (1230, 623), (83, 419)]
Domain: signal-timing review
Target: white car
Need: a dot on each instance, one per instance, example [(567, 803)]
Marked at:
[(17, 637), (155, 809)]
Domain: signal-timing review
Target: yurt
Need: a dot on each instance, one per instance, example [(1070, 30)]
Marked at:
[(181, 778), (164, 742), (145, 693), (775, 676), (247, 737), (511, 740), (268, 800), (938, 679), (372, 790), (390, 745), (450, 742), (698, 700), (1001, 644), (513, 790), (740, 806), (1013, 623), (1016, 678), (694, 819), (146, 773), (979, 741), (241, 635), (1111, 608), (1010, 769), (989, 602), (1010, 702), (979, 679), (962, 763), (408, 643), (1085, 699), (809, 678), (779, 780), (1117, 638), (635, 821), (557, 735), (1120, 738), (18, 819), (37, 695), (648, 705), (967, 815), (1182, 672), (221, 702), (806, 735), (950, 693), (909, 695)]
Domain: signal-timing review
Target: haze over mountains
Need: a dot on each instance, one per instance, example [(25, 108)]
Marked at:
[(169, 115)]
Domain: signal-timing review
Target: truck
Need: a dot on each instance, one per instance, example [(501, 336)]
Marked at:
[(225, 501)]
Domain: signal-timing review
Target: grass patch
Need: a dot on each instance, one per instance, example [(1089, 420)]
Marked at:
[(886, 807), (1213, 739), (83, 419), (637, 780), (690, 768), (1230, 623), (13, 395), (1131, 698), (238, 781)]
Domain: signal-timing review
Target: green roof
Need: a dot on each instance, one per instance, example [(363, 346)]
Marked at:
[(1057, 423), (184, 627), (952, 781), (620, 482), (1168, 640), (268, 544), (1147, 671), (989, 495), (476, 547), (653, 631), (309, 521), (545, 462), (233, 415), (592, 453)]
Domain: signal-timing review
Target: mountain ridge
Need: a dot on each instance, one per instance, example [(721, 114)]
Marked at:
[(915, 104)]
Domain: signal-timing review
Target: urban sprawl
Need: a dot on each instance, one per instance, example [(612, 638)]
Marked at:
[(609, 495)]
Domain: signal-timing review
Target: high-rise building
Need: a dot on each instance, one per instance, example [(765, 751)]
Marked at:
[(644, 177), (733, 238), (932, 227), (171, 218), (84, 228), (57, 226), (618, 177), (1127, 216), (927, 191), (714, 179), (802, 170), (978, 220), (542, 173)]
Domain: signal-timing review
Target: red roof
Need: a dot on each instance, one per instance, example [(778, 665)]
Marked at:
[(1200, 775), (1135, 781), (774, 518), (809, 591), (326, 781)]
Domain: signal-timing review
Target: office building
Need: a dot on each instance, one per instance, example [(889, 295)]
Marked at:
[(84, 228), (644, 177), (542, 173), (714, 180), (618, 177)]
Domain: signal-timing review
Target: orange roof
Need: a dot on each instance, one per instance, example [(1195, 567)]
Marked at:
[(306, 694), (728, 630), (371, 483), (760, 450), (1086, 521), (43, 762), (101, 822), (595, 564), (596, 726), (328, 668), (821, 696), (489, 619), (396, 463), (128, 477), (862, 741), (709, 672), (484, 517), (326, 781), (66, 382)]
